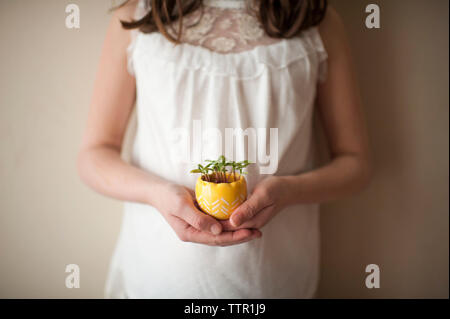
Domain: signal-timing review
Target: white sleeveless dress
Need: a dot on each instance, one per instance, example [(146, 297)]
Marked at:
[(226, 74)]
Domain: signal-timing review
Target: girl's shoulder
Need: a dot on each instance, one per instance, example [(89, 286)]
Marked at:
[(129, 10), (332, 31)]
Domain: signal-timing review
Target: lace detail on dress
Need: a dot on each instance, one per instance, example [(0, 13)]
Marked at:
[(223, 29)]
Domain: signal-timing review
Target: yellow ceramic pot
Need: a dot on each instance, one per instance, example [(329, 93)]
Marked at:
[(220, 200)]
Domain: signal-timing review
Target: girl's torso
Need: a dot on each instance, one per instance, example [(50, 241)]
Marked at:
[(228, 89)]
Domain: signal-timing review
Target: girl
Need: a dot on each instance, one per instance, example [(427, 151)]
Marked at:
[(227, 64)]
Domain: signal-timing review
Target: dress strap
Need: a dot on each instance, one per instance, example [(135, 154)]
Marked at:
[(321, 52), (140, 11)]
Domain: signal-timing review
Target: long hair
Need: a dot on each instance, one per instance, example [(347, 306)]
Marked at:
[(279, 18)]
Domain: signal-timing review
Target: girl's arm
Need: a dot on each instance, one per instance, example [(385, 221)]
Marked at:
[(340, 109), (101, 166)]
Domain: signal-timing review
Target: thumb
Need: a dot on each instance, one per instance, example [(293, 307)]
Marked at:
[(246, 211), (201, 221)]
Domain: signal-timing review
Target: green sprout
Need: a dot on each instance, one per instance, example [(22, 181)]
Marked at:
[(216, 171)]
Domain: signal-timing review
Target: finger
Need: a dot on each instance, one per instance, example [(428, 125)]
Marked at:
[(236, 237), (258, 221), (247, 210), (188, 233), (227, 226), (224, 239), (191, 192), (200, 220), (255, 235)]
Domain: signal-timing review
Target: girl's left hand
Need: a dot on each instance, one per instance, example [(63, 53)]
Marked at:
[(269, 197)]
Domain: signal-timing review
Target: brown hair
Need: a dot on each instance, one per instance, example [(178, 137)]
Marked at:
[(279, 18)]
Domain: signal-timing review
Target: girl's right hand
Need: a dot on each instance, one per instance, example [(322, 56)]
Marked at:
[(177, 206)]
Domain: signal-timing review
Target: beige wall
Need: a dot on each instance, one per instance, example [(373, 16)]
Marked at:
[(401, 221), (49, 219)]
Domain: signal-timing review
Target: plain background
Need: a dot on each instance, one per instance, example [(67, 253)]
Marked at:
[(49, 219)]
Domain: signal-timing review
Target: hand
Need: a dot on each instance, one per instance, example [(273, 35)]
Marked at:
[(191, 225), (269, 197)]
